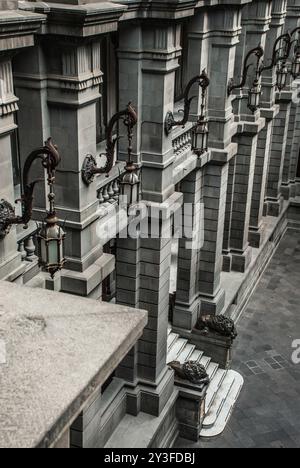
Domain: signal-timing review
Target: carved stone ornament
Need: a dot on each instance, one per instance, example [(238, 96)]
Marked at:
[(191, 371), (7, 212), (220, 324)]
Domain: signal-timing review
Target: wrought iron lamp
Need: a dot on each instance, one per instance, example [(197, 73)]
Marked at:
[(130, 180), (281, 53), (200, 130), (203, 82), (295, 70), (282, 76), (254, 92), (51, 236), (89, 167), (295, 66)]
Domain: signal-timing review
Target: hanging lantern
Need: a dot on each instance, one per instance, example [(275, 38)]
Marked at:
[(295, 71), (200, 135), (51, 240), (254, 96), (130, 185), (282, 77)]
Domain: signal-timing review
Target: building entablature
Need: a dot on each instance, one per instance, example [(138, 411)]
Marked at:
[(17, 29), (86, 19)]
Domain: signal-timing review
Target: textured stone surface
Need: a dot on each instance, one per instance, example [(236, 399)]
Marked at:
[(59, 350)]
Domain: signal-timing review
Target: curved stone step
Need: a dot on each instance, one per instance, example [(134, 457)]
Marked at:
[(217, 404), (212, 370), (214, 386), (224, 415)]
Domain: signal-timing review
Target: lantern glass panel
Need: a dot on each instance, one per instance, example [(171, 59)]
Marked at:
[(282, 75), (127, 193), (254, 98), (53, 252), (200, 137), (43, 251)]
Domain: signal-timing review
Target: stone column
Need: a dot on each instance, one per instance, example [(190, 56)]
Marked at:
[(274, 198), (147, 63), (187, 294), (66, 76), (293, 176), (279, 147), (288, 187), (288, 180), (259, 185), (17, 33), (269, 110), (228, 211), (128, 254), (255, 20), (223, 31), (215, 179), (10, 260)]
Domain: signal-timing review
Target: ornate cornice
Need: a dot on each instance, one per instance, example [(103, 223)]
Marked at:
[(17, 29)]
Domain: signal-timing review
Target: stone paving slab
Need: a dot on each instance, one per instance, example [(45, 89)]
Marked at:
[(57, 350), (267, 414)]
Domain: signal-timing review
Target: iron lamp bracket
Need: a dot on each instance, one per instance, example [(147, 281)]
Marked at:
[(203, 82), (89, 168)]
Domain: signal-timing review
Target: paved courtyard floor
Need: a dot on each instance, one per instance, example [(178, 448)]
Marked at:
[(267, 414)]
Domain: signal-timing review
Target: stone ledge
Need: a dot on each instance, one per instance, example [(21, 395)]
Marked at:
[(68, 346)]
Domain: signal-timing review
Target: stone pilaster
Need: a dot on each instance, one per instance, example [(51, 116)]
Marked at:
[(294, 159), (62, 81), (128, 255), (255, 20), (288, 187), (245, 166), (187, 294), (274, 198), (259, 184), (147, 63), (224, 30), (148, 59), (13, 38), (215, 179), (227, 224)]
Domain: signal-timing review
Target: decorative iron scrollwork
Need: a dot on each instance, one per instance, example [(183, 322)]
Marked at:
[(89, 167), (50, 158), (258, 52), (170, 122)]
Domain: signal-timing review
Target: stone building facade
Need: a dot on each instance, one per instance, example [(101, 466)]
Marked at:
[(66, 66)]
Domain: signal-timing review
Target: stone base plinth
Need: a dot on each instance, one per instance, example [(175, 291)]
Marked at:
[(190, 410), (212, 305), (185, 316), (218, 347), (241, 261), (274, 207), (255, 238)]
